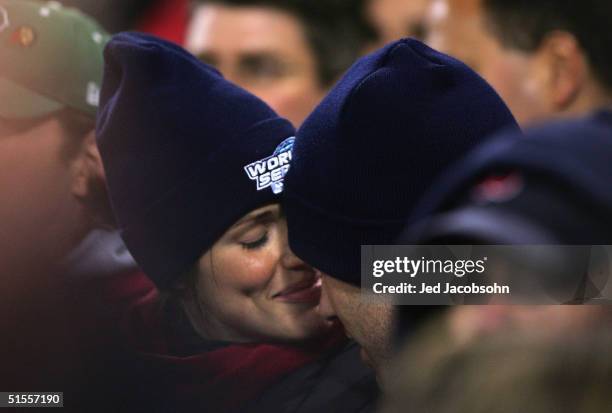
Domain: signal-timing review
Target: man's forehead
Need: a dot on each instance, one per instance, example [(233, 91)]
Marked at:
[(453, 25), (221, 29), (444, 9)]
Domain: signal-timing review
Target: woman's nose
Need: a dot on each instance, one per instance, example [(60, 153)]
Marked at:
[(292, 261), (289, 259)]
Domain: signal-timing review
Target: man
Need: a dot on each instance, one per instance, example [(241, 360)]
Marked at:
[(363, 159), (54, 263), (51, 173), (46, 113), (550, 188), (287, 52), (546, 58)]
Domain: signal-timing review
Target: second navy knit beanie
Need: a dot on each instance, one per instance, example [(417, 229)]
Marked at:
[(548, 186), (369, 151)]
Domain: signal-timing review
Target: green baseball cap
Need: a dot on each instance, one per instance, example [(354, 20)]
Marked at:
[(50, 59)]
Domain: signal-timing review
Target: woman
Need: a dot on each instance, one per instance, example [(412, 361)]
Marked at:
[(194, 167)]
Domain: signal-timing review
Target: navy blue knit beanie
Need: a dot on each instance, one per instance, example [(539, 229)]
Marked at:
[(552, 186), (186, 153), (369, 151)]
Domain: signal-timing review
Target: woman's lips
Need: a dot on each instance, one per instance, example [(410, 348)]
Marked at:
[(302, 292)]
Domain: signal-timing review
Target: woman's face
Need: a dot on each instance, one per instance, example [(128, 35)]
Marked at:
[(250, 286)]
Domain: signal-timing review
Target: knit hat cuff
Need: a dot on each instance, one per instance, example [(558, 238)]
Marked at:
[(333, 244)]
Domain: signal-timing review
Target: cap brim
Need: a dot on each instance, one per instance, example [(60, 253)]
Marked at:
[(18, 102)]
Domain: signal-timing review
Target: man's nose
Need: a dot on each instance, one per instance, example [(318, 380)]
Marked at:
[(325, 307)]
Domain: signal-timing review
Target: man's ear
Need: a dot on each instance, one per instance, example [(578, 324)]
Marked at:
[(86, 166), (566, 69)]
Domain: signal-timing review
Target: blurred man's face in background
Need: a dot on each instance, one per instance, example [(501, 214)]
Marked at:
[(263, 50), (457, 28), (395, 19), (525, 82), (39, 216)]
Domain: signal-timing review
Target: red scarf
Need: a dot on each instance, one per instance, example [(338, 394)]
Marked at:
[(219, 380), (223, 380)]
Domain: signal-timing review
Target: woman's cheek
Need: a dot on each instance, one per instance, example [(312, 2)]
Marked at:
[(252, 270)]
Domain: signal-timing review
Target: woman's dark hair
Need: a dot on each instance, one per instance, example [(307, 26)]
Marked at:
[(523, 25), (337, 31)]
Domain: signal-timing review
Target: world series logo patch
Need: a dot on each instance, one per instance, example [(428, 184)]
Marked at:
[(271, 171)]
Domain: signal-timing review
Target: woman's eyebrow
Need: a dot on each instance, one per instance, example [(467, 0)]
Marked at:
[(263, 216)]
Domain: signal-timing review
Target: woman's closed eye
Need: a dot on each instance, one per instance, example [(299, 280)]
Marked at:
[(256, 242), (254, 231)]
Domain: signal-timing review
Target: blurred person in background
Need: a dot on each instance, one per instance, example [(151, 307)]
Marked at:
[(549, 186), (56, 206), (504, 373), (396, 120), (49, 161), (546, 58), (58, 252), (287, 52), (395, 19)]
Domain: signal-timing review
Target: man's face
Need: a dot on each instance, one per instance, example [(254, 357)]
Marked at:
[(458, 28), (38, 214), (369, 324), (263, 50)]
